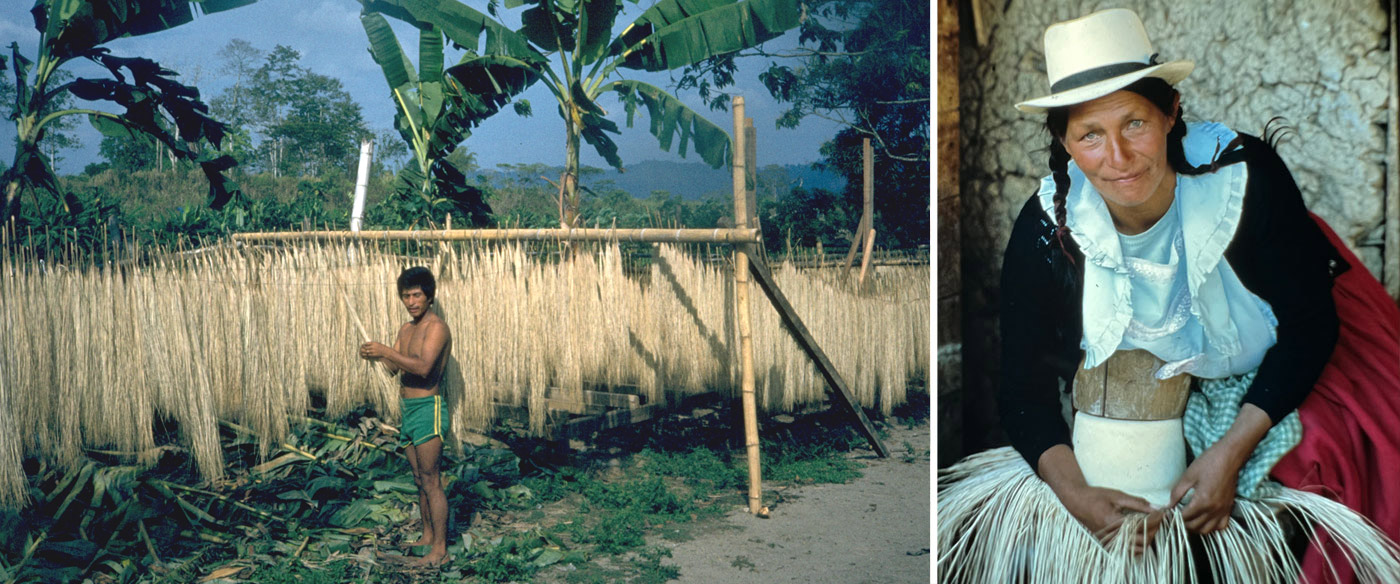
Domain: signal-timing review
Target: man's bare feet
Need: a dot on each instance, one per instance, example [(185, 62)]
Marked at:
[(422, 541), (434, 559), (395, 559)]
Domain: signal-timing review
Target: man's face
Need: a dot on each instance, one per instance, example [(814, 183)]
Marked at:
[(415, 301)]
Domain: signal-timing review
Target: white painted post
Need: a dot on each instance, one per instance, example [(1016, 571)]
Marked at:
[(357, 212)]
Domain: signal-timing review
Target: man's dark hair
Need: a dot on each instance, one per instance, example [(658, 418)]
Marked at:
[(418, 277)]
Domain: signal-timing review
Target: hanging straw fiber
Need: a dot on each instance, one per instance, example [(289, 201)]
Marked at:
[(100, 355)]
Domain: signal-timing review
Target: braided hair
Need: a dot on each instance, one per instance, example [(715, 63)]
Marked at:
[(1155, 90)]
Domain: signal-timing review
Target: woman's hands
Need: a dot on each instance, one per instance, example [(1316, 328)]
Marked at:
[(1103, 512), (1214, 475), (1099, 509)]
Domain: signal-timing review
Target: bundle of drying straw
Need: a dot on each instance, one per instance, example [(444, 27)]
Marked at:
[(101, 354)]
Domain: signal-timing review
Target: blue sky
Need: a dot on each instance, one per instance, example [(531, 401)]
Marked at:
[(331, 41)]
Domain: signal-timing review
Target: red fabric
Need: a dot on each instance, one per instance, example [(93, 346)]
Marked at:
[(1350, 450)]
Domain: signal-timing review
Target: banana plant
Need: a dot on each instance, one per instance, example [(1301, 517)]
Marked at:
[(154, 103), (570, 47), (434, 113)]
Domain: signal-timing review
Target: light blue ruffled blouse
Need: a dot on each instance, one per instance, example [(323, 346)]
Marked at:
[(1169, 290)]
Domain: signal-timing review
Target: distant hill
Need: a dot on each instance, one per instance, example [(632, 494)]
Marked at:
[(692, 180)]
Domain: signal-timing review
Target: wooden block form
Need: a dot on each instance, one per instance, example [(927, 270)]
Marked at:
[(1125, 387)]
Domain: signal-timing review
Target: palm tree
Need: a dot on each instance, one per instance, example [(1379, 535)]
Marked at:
[(570, 47)]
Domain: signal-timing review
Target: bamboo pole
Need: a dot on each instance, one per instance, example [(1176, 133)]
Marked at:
[(865, 260), (867, 209), (649, 235), (856, 239), (380, 369), (793, 322), (751, 172), (867, 189), (742, 312)]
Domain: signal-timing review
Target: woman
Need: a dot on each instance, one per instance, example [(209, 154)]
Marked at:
[(1159, 256)]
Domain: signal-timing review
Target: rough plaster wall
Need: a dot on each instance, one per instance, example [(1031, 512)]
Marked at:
[(1325, 65)]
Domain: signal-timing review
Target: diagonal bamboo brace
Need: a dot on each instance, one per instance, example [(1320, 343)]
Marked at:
[(835, 384)]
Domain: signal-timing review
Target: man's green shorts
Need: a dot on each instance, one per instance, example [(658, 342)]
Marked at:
[(424, 418)]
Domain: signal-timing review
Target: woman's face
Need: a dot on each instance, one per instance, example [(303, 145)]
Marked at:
[(1120, 142)]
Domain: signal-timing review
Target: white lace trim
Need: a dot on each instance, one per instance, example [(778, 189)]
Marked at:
[(1177, 315), (1158, 273), (1175, 368)]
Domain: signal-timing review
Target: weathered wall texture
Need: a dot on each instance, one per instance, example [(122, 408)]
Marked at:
[(1324, 65), (949, 335)]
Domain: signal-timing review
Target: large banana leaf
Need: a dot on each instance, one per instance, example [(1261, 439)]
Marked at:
[(149, 93), (676, 33), (492, 80), (594, 127), (430, 55), (461, 24), (144, 90), (595, 29), (549, 28), (670, 119), (73, 27), (385, 49)]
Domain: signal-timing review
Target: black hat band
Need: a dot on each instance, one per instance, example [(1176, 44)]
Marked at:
[(1097, 74)]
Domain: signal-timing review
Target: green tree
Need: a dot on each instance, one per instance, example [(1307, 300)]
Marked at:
[(804, 217), (310, 123), (569, 46), (520, 199), (288, 119), (240, 60), (154, 103), (128, 153), (866, 65), (321, 128), (390, 153)]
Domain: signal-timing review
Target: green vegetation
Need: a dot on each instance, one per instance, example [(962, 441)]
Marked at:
[(865, 64), (578, 34), (292, 572), (808, 462), (169, 172), (156, 106), (154, 206), (335, 494)]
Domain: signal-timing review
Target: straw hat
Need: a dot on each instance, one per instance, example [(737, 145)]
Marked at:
[(1093, 56)]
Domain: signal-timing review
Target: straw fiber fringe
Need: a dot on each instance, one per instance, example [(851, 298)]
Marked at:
[(111, 355), (998, 522)]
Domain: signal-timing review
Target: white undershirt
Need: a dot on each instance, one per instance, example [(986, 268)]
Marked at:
[(1163, 322)]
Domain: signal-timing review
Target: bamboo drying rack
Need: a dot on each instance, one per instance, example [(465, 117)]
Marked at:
[(648, 235), (606, 410)]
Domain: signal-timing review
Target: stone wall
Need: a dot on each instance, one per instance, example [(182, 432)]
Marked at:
[(1326, 66)]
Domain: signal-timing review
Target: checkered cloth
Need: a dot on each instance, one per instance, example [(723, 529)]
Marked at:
[(1211, 411)]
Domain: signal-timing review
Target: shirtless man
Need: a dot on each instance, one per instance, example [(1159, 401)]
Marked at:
[(419, 352)]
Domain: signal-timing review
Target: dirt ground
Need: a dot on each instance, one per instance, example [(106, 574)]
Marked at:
[(875, 529)]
